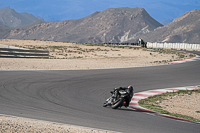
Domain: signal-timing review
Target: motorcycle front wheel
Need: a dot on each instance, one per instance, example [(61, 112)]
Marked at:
[(118, 103), (105, 105)]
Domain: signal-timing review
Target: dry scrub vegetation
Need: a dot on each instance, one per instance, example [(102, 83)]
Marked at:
[(183, 104), (87, 56)]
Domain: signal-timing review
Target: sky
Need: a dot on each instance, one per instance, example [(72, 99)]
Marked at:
[(60, 10)]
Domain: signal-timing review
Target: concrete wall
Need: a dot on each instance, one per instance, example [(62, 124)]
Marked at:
[(173, 45)]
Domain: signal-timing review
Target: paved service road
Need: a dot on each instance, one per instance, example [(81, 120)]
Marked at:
[(76, 96)]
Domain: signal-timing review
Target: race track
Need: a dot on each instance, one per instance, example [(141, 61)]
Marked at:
[(76, 96)]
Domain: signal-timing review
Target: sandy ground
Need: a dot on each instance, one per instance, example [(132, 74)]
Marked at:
[(78, 56), (22, 125), (184, 104)]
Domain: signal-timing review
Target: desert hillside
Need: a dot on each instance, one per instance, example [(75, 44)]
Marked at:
[(184, 29), (112, 25)]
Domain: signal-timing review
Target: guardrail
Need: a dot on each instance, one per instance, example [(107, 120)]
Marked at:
[(174, 45), (135, 44), (123, 44), (23, 53)]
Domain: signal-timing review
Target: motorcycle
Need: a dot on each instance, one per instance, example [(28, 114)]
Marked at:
[(117, 99)]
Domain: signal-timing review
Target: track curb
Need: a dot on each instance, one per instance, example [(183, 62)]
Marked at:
[(187, 60), (145, 94), (142, 95)]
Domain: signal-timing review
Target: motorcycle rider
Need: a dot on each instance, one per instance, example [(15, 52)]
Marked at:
[(128, 89), (142, 43)]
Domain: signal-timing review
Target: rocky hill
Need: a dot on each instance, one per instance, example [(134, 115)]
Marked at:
[(9, 17), (184, 29), (109, 26)]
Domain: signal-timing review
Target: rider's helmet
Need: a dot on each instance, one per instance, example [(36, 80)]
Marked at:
[(130, 87), (130, 90)]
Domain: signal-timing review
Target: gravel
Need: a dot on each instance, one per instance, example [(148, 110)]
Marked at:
[(10, 124)]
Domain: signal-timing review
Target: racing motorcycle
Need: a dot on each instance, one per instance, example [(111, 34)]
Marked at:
[(117, 99)]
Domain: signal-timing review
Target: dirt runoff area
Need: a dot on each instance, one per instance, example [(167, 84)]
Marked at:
[(78, 56), (22, 125), (184, 104)]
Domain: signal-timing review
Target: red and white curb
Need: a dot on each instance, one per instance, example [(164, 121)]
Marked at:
[(187, 60), (142, 95)]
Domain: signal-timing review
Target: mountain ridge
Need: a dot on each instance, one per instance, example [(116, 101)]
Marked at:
[(112, 25), (9, 17), (184, 29)]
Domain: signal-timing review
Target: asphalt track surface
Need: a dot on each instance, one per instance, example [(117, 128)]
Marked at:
[(76, 96)]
